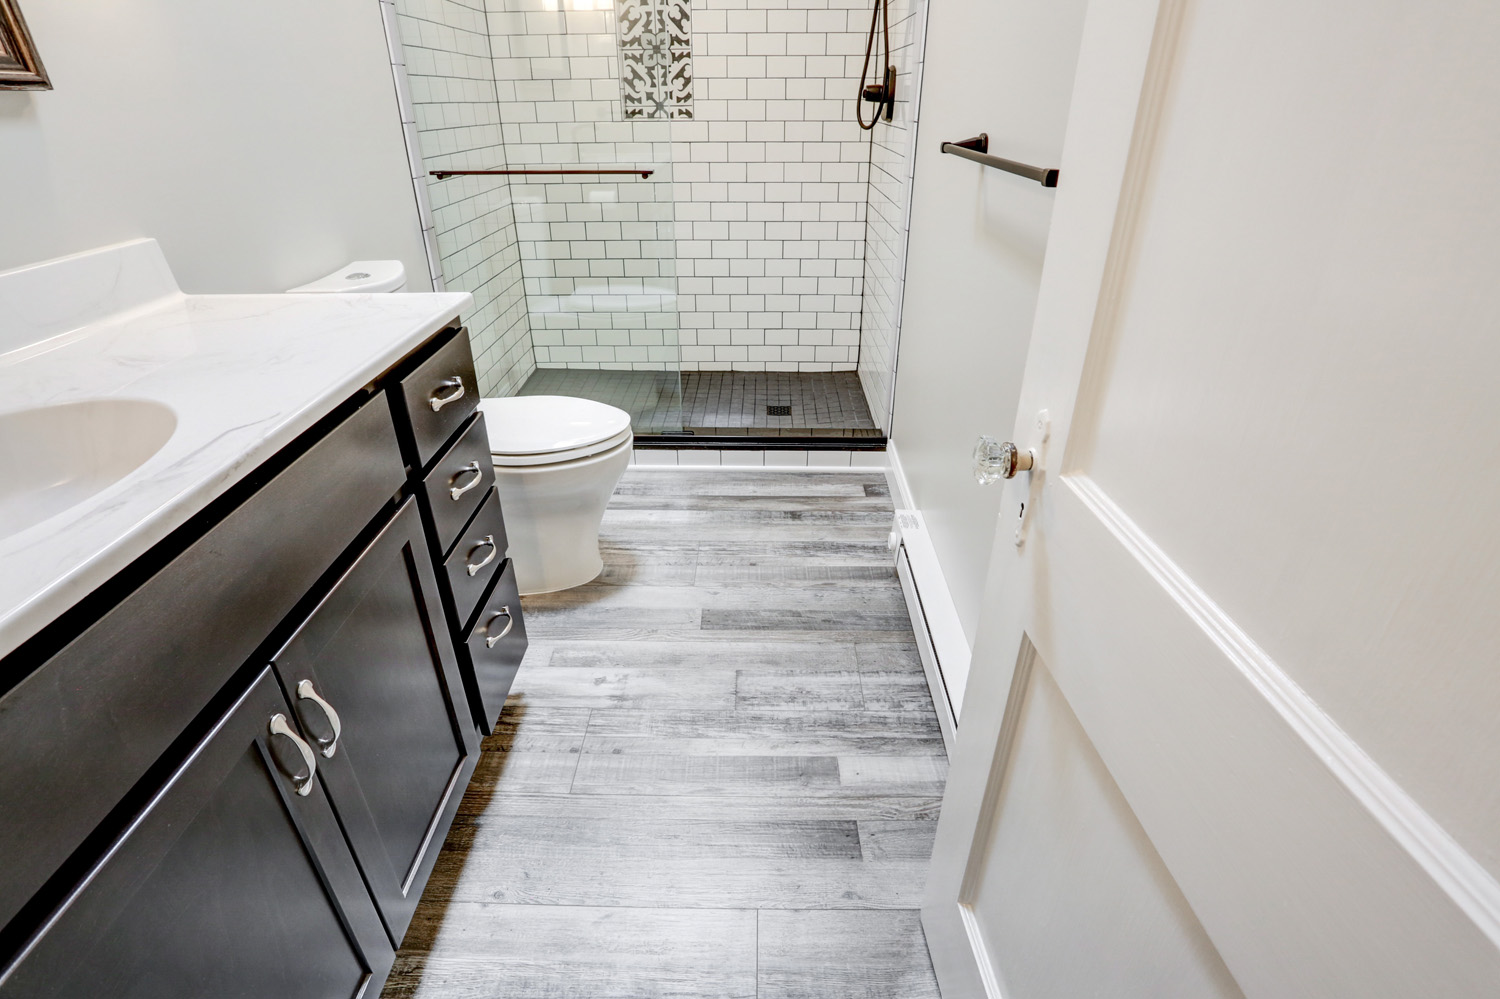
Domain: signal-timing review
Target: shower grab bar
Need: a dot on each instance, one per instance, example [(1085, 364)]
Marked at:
[(977, 149), (445, 174)]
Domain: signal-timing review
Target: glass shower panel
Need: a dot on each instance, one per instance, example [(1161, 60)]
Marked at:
[(598, 257), (471, 232), (594, 211)]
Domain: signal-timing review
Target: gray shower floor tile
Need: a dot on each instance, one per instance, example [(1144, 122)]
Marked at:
[(718, 400)]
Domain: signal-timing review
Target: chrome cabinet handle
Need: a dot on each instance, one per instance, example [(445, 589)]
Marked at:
[(437, 402), (306, 692), (458, 491), (303, 785), (510, 622), (995, 460), (488, 541)]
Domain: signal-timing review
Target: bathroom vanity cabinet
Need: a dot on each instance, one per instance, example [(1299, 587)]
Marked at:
[(230, 770)]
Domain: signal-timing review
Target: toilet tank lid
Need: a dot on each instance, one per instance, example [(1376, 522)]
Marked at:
[(544, 424), (360, 276)]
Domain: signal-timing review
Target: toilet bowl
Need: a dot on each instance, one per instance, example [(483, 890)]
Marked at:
[(557, 460)]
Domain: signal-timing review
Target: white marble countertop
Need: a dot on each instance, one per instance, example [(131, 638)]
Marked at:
[(243, 374)]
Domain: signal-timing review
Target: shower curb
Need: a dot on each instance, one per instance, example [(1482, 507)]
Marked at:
[(746, 442)]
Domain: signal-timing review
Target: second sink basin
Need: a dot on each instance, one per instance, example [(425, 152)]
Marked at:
[(54, 457)]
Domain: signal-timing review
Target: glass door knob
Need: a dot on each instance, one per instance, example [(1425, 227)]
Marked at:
[(995, 460)]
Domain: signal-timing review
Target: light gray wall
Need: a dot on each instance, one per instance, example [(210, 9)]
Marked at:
[(975, 259), (259, 142)]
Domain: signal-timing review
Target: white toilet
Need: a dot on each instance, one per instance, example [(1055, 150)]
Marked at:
[(557, 460)]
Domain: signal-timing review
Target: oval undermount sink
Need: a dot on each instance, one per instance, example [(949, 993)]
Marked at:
[(54, 457)]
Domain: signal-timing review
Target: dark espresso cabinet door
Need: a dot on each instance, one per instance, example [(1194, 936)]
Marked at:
[(78, 733), (230, 884), (374, 680)]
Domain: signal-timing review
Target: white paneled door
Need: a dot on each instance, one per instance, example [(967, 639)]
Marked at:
[(1233, 726)]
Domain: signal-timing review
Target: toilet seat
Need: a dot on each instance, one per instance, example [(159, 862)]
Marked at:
[(551, 429)]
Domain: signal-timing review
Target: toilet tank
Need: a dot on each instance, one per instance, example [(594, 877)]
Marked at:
[(359, 277)]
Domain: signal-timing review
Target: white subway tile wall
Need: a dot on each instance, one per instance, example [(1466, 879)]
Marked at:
[(772, 179), (598, 252), (771, 176), (891, 158), (445, 46)]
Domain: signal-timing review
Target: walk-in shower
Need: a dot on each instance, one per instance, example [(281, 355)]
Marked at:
[(666, 205)]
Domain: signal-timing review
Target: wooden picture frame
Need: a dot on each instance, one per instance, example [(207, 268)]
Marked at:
[(20, 66)]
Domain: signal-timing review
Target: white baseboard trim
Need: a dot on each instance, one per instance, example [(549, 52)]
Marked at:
[(895, 476), (941, 642)]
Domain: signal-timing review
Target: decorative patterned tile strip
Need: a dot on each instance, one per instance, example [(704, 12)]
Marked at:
[(656, 63)]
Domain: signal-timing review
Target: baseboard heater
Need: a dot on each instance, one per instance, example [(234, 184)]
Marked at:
[(941, 642)]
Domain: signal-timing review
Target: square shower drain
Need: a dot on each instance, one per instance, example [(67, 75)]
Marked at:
[(779, 410)]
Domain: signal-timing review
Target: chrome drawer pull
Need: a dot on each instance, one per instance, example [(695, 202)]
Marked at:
[(487, 542), (306, 692), (510, 623), (458, 491), (303, 785), (437, 402)]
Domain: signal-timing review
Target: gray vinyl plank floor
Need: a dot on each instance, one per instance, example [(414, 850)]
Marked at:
[(719, 771)]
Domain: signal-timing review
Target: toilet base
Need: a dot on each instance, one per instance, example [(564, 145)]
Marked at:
[(552, 517)]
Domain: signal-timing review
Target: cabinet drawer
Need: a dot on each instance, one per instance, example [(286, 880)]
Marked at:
[(435, 399), (235, 881), (476, 559), (83, 728), (458, 482), (493, 649)]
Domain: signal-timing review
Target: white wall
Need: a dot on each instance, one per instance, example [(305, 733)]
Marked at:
[(260, 143), (974, 259)]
